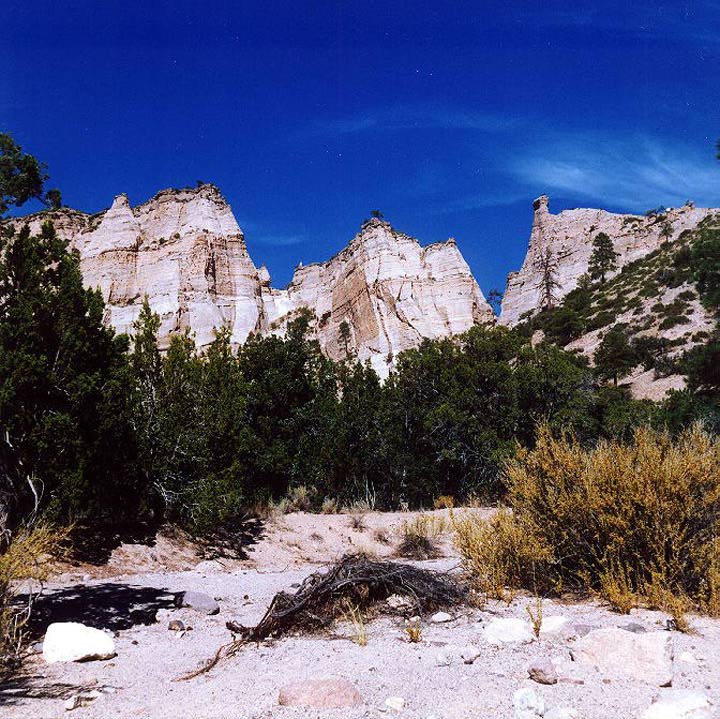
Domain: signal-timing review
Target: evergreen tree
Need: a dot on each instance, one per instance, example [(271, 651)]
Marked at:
[(615, 356), (603, 257), (68, 448), (21, 177)]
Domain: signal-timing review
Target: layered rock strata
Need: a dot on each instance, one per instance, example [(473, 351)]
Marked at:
[(185, 251)]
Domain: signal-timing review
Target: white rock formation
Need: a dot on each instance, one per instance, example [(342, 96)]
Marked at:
[(569, 236), (186, 252), (75, 642)]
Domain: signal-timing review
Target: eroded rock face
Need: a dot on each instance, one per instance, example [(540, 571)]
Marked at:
[(569, 236), (185, 250)]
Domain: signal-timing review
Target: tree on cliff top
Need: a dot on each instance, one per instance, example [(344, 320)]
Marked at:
[(22, 177)]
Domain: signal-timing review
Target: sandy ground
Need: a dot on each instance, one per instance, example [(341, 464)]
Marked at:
[(143, 677)]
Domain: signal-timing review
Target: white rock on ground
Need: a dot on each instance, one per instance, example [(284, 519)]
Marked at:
[(441, 618), (469, 653), (395, 703), (680, 704), (199, 601), (556, 624), (320, 694), (527, 704), (508, 630), (616, 652), (74, 642)]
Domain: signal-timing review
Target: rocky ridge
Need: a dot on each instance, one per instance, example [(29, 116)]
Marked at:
[(185, 250), (569, 235)]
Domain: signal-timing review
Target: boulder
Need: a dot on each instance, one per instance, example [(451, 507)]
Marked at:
[(527, 704), (75, 642), (441, 618), (508, 630), (198, 601), (175, 625), (616, 652), (330, 693), (680, 704), (542, 671)]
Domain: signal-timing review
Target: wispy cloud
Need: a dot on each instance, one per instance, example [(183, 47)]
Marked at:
[(277, 240), (633, 172), (407, 118)]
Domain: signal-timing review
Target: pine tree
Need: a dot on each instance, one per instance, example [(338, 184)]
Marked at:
[(615, 356), (603, 258)]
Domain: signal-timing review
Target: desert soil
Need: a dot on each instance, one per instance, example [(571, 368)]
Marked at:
[(133, 595)]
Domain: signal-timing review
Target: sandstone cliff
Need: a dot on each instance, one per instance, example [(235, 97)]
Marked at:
[(569, 236), (186, 252)]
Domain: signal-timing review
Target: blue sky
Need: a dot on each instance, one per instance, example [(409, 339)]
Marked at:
[(449, 117)]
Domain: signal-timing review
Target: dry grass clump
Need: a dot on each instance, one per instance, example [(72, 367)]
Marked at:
[(26, 556), (419, 537), (444, 501), (636, 522)]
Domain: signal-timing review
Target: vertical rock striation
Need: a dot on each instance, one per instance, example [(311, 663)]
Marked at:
[(186, 252)]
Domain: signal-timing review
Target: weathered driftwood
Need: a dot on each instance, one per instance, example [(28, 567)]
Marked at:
[(320, 599)]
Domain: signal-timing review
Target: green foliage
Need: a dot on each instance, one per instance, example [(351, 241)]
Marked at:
[(21, 175), (705, 263), (615, 356), (67, 445), (603, 258)]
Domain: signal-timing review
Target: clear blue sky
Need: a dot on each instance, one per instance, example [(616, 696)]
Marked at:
[(448, 116)]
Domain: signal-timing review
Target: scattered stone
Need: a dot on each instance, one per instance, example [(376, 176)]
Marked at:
[(444, 658), (645, 657), (75, 642), (508, 630), (395, 703), (556, 624), (527, 704), (634, 627), (542, 671), (175, 625), (441, 618), (198, 601), (80, 700), (320, 694), (469, 654), (679, 704)]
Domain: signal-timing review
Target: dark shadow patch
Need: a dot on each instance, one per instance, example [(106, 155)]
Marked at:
[(104, 606)]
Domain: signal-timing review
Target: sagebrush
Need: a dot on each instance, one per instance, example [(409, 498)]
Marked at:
[(632, 522)]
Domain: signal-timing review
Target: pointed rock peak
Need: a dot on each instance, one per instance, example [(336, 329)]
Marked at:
[(451, 241), (264, 275), (542, 204), (121, 201)]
